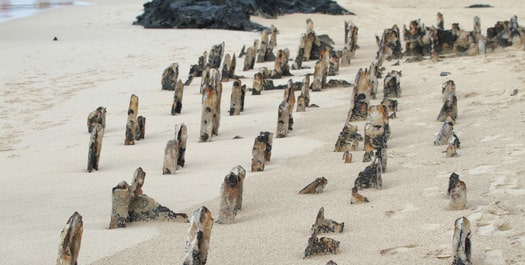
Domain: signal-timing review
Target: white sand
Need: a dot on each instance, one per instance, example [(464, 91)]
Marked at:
[(48, 88)]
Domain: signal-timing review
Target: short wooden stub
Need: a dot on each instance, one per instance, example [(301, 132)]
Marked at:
[(198, 237), (461, 245), (70, 240), (95, 146)]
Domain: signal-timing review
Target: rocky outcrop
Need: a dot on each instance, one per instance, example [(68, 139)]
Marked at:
[(227, 14)]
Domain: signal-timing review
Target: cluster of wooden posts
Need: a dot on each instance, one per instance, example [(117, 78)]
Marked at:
[(129, 203)]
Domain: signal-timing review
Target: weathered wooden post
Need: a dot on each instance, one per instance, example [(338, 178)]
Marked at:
[(283, 118), (171, 156), (70, 240), (95, 146), (97, 116), (121, 195), (461, 245), (198, 238), (170, 77), (176, 107), (181, 135)]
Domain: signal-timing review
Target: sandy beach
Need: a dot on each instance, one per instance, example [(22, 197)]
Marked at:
[(47, 89)]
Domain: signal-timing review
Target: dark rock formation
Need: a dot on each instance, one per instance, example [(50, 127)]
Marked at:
[(227, 14)]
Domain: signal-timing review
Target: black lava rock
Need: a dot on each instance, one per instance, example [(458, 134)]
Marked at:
[(227, 14)]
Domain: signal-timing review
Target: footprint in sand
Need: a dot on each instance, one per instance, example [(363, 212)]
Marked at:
[(506, 185), (494, 257), (397, 250), (518, 240), (480, 170), (489, 220), (399, 214)]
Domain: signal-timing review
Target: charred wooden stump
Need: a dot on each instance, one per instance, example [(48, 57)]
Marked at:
[(301, 104), (289, 96), (273, 36), (209, 102), (348, 139), (137, 182), (241, 173), (198, 238), (347, 157), (298, 62), (132, 125), (323, 225), (350, 46), (95, 146), (144, 208), (70, 240), (196, 69), (226, 73), (130, 204), (360, 98), (444, 133), (97, 116), (458, 195), (121, 195), (392, 87), (323, 245), (258, 81), (317, 83), (357, 198), (315, 187), (311, 40), (262, 150), (215, 56), (176, 107), (305, 90), (237, 98), (370, 177), (451, 180), (141, 128), (461, 245), (265, 52), (251, 56), (170, 77), (171, 156), (391, 106), (231, 196), (373, 81), (281, 67), (389, 45), (258, 160), (449, 110), (217, 88), (283, 119), (181, 136), (131, 131), (205, 79)]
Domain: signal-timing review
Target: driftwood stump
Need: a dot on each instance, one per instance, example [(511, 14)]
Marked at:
[(209, 102), (170, 77), (283, 119), (348, 139), (262, 150), (97, 116), (461, 245), (458, 196), (231, 195), (171, 156), (176, 107), (181, 136), (198, 238), (323, 245), (95, 146), (360, 97), (70, 240), (237, 98), (130, 204), (315, 187)]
